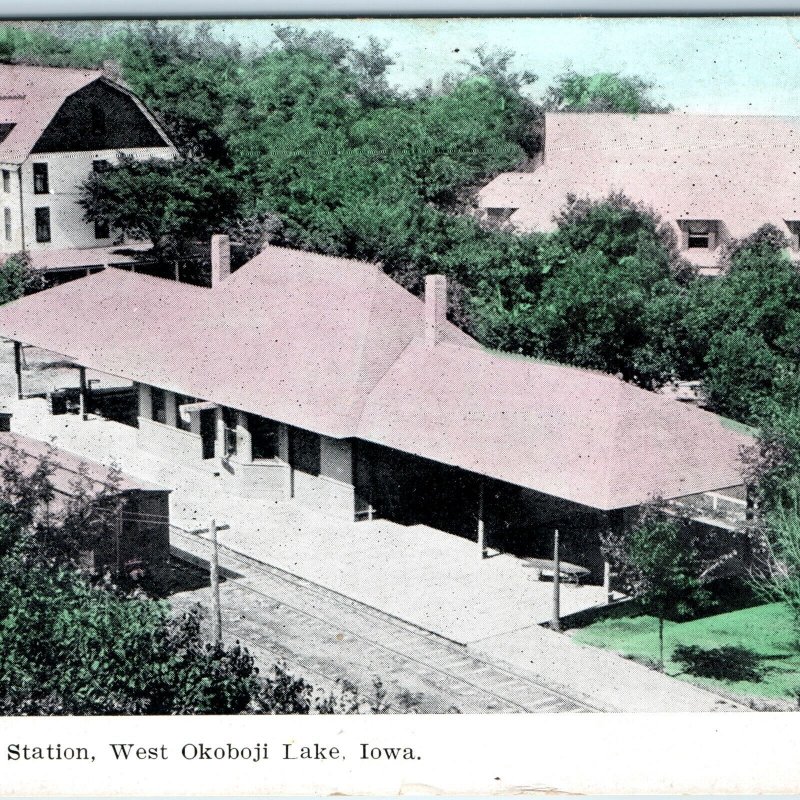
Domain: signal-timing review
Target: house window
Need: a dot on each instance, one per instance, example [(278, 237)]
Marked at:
[(42, 218), (305, 451), (701, 235), (41, 180), (6, 180), (264, 437), (101, 230), (159, 400), (7, 222)]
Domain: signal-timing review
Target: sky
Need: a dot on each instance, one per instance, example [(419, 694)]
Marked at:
[(736, 65)]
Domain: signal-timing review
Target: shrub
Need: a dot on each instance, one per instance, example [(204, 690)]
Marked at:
[(727, 663)]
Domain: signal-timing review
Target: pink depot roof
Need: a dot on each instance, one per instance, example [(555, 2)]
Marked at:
[(575, 434), (293, 336), (335, 346), (740, 170)]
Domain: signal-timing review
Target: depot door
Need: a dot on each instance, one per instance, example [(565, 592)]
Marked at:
[(208, 431)]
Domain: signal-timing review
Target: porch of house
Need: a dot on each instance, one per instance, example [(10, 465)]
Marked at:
[(433, 579)]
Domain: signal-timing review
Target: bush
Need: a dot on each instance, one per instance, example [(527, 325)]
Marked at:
[(728, 663)]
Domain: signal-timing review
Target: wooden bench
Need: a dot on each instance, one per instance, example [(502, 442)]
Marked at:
[(571, 573)]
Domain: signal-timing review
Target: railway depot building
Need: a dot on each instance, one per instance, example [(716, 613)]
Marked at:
[(318, 379)]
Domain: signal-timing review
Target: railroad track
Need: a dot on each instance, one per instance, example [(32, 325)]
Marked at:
[(285, 606)]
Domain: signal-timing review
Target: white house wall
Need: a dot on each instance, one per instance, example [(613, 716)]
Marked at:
[(66, 173)]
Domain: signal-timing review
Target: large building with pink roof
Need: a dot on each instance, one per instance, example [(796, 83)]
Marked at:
[(56, 126), (712, 178), (308, 377)]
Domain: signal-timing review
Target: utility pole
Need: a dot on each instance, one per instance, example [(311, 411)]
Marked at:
[(556, 621), (216, 608)]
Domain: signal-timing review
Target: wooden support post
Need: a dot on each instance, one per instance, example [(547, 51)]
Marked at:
[(607, 581), (481, 523), (84, 393), (216, 607), (18, 367), (556, 621), (244, 439)]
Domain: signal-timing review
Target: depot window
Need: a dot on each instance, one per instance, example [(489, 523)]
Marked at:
[(264, 437)]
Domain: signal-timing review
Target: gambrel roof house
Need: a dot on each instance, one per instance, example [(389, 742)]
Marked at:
[(56, 126), (712, 178)]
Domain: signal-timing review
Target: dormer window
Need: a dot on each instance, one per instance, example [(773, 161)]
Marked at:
[(700, 234)]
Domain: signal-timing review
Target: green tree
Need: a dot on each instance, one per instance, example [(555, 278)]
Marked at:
[(777, 578), (190, 81), (67, 647), (602, 91), (773, 473), (522, 116), (70, 645), (658, 562), (588, 294), (54, 44), (169, 203), (17, 278), (741, 331)]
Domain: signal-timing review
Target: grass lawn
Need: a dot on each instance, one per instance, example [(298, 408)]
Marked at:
[(766, 629)]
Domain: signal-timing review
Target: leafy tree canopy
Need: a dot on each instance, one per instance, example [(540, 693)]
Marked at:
[(308, 134), (744, 327), (158, 199), (602, 91), (659, 563)]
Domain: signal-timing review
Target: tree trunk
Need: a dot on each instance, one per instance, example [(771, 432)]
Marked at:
[(661, 642)]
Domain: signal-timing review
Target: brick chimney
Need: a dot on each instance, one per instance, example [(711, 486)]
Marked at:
[(220, 259), (435, 308)]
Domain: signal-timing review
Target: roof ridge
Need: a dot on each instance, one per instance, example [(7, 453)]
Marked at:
[(345, 259), (374, 388), (506, 354), (45, 67), (358, 366)]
